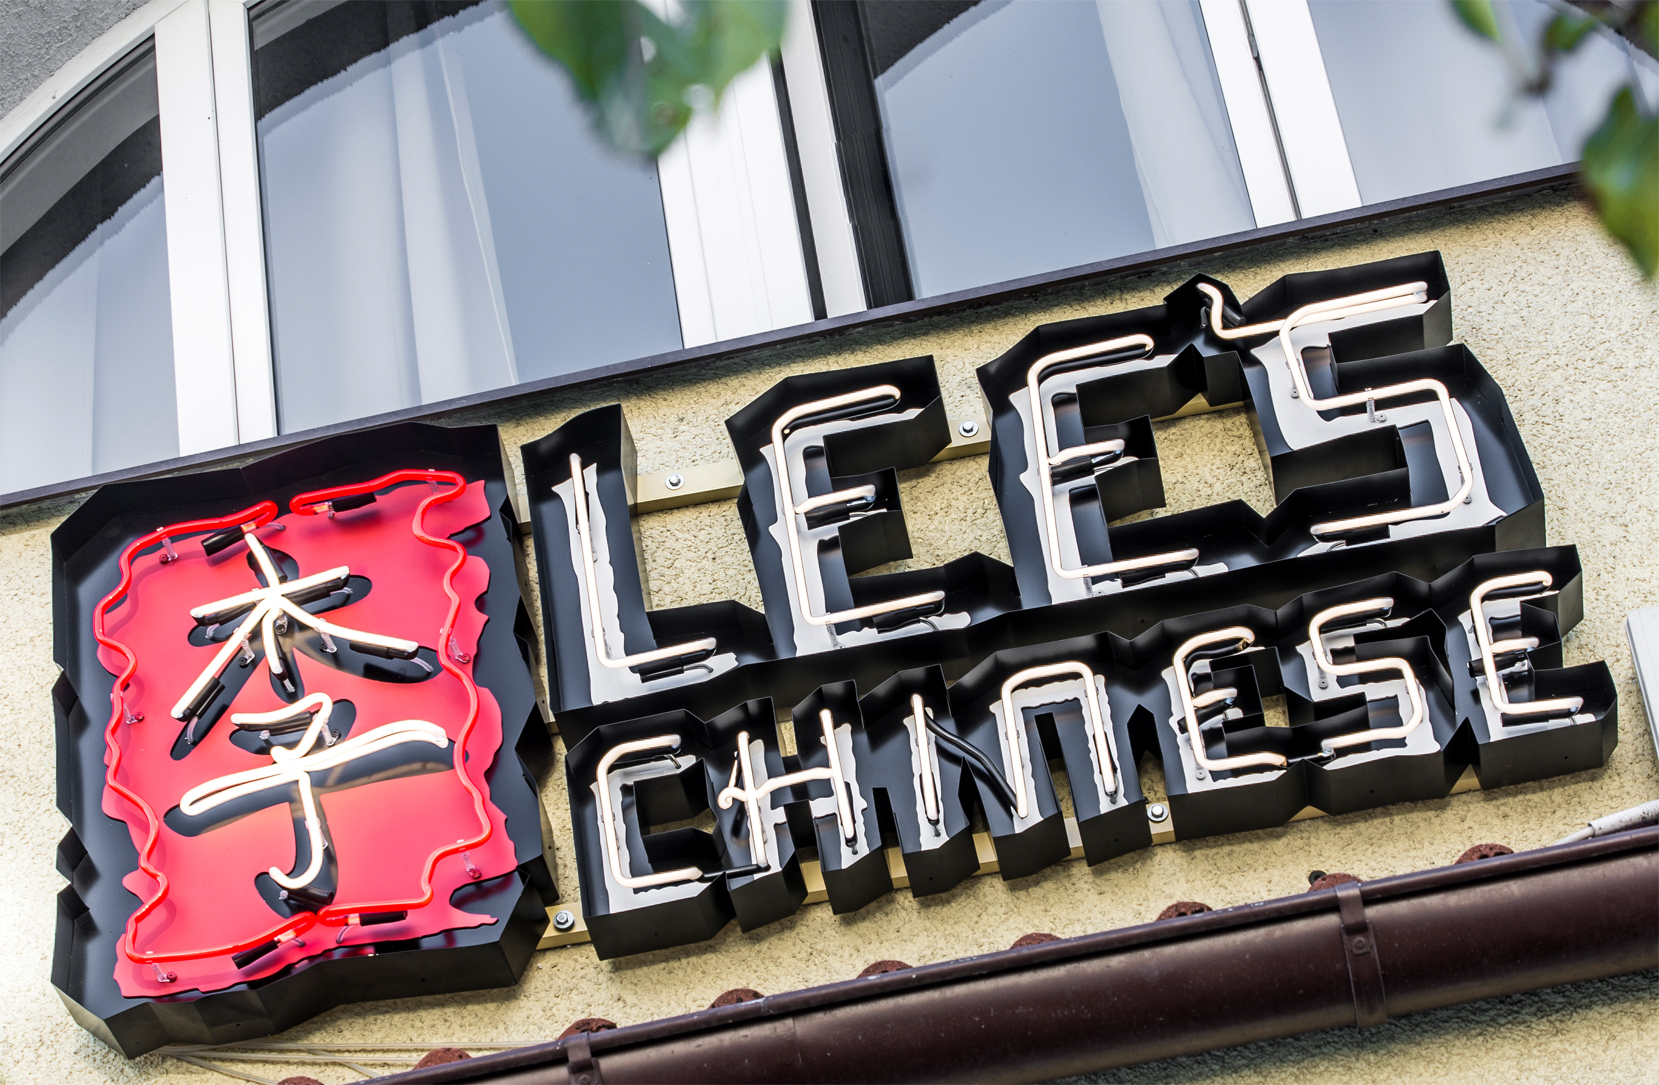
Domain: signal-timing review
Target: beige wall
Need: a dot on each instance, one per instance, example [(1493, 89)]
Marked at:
[(1552, 309)]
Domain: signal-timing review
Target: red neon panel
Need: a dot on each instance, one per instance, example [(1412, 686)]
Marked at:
[(400, 844)]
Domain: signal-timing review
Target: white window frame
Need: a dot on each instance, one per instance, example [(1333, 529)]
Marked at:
[(729, 206), (1310, 132), (244, 225), (809, 105), (733, 227), (1279, 105), (204, 375), (1248, 111), (733, 235), (108, 48), (209, 396)]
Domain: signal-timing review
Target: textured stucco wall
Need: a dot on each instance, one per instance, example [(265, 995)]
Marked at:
[(1550, 307), (37, 37)]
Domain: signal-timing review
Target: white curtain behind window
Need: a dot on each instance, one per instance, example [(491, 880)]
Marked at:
[(86, 357), (385, 286), (1427, 104), (1031, 136), (1184, 153)]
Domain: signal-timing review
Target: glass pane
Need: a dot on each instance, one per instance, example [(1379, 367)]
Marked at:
[(1426, 104), (86, 327), (1029, 136), (438, 219)]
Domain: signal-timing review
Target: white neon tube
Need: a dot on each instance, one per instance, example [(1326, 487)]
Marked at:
[(294, 765), (1490, 649), (1322, 655), (924, 762), (607, 817), (1190, 704), (596, 613), (268, 604), (1013, 725), (788, 509), (1046, 462), (751, 795), (1333, 309)]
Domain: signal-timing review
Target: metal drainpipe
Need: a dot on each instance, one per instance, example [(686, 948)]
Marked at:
[(1356, 954)]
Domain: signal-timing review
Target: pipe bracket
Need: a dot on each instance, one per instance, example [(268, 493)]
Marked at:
[(580, 1064), (1359, 944)]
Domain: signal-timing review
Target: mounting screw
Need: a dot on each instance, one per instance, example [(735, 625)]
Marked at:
[(1157, 812), (967, 427), (674, 482), (564, 919)]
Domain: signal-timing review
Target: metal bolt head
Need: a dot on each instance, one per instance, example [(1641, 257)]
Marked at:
[(564, 919), (1157, 812), (967, 427), (674, 481)]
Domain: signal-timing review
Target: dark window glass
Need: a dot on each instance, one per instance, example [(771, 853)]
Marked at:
[(1022, 137), (438, 219), (86, 341), (1425, 104)]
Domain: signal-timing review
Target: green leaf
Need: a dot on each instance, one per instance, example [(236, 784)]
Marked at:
[(1621, 176), (1564, 32), (591, 40), (732, 34), (1478, 16), (642, 78)]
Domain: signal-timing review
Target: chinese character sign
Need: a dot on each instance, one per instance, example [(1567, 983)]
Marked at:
[(300, 735)]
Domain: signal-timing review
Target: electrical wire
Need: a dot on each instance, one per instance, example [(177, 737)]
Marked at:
[(976, 759), (1634, 818)]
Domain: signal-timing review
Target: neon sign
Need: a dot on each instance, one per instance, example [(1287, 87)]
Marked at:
[(308, 716), (1391, 623), (296, 720)]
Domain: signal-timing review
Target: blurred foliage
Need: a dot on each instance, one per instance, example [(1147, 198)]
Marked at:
[(1478, 16), (1621, 176), (1620, 160), (643, 77)]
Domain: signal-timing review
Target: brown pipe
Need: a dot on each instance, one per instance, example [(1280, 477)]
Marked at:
[(1355, 954)]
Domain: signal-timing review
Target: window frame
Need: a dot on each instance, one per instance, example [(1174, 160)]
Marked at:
[(1294, 161), (1250, 112), (253, 361), (1303, 106), (1297, 173), (734, 236)]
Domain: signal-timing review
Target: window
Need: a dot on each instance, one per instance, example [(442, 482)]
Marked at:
[(987, 141), (86, 342), (376, 205), (438, 219), (993, 140), (1425, 104), (1025, 137)]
